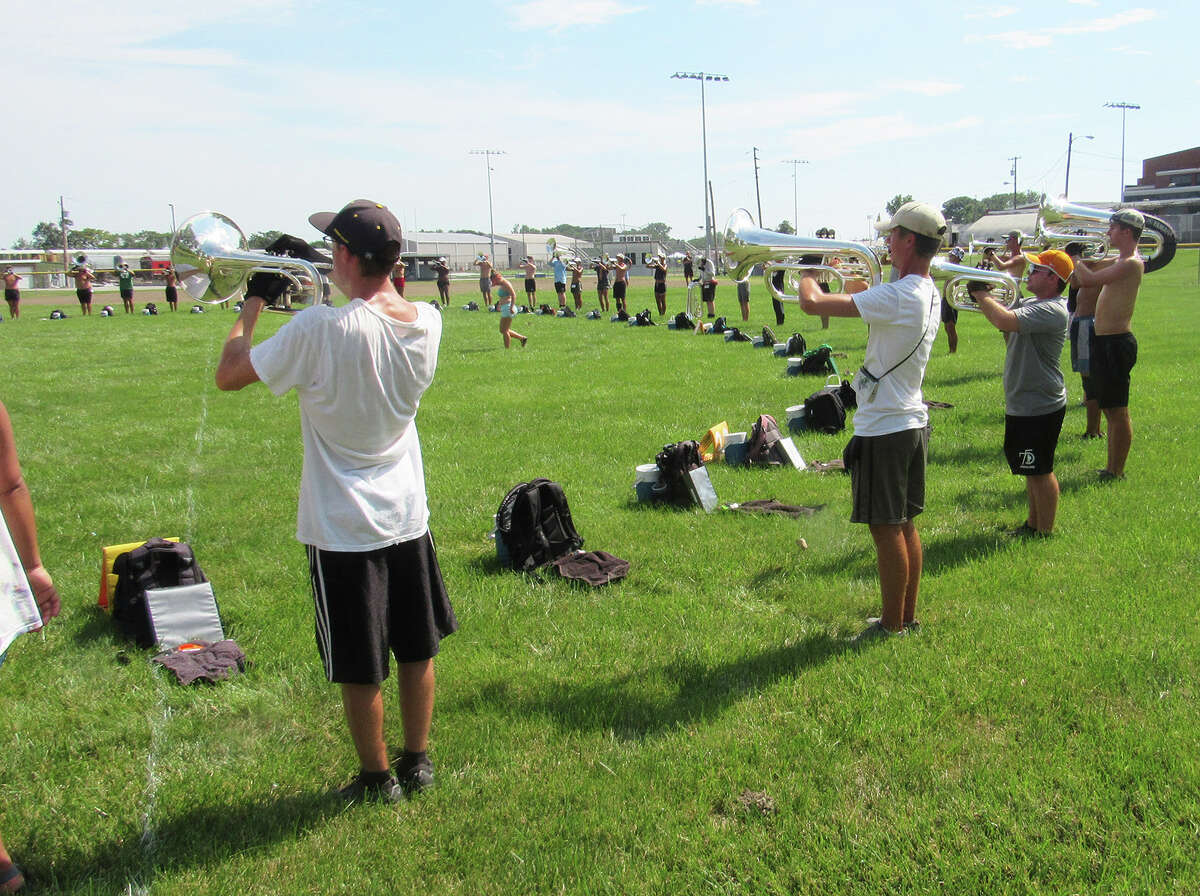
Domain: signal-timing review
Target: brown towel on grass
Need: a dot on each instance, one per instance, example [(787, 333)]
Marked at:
[(211, 663)]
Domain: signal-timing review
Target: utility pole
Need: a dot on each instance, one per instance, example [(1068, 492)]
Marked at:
[(795, 202), (757, 194), (1013, 159), (1124, 107), (1070, 140), (63, 222), (487, 158)]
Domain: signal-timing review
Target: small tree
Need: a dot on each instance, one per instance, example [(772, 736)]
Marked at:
[(785, 226), (264, 238), (896, 201)]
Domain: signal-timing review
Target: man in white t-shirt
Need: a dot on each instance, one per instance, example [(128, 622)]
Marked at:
[(886, 458), (359, 372)]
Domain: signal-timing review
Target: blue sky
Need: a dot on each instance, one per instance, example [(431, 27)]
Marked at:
[(267, 110)]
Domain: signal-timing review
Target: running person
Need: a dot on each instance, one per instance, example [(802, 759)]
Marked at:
[(12, 293), (506, 301)]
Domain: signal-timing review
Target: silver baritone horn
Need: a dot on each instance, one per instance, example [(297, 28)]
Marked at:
[(1061, 222), (747, 245), (211, 258), (954, 282)]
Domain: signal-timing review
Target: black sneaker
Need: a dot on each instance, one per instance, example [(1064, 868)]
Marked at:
[(414, 773), (377, 787)]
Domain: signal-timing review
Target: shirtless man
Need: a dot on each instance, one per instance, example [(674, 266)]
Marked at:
[(442, 269), (1013, 262), (576, 268), (171, 289), (12, 294), (621, 282), (485, 278), (658, 264), (529, 266), (600, 266), (1082, 317), (1114, 348), (83, 287), (687, 269)]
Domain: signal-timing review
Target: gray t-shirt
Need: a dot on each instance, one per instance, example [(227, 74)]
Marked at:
[(1033, 380)]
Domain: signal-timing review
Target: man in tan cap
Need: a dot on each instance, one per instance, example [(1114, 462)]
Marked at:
[(1035, 395), (886, 458), (1114, 348)]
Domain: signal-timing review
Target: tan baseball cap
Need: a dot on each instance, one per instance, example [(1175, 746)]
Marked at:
[(918, 217), (1130, 217)]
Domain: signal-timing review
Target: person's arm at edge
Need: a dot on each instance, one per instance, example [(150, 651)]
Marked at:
[(18, 514), (234, 370), (1003, 319), (1084, 275), (833, 304)]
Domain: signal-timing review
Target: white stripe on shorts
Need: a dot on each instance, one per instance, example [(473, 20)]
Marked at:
[(317, 580)]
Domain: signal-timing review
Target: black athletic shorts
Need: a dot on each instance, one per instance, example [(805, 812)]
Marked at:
[(530, 284), (560, 287), (619, 290), (949, 313), (12, 295), (708, 292), (660, 287), (371, 603), (172, 294), (1113, 357), (126, 295), (84, 296), (1029, 442), (577, 289), (602, 282), (887, 476)]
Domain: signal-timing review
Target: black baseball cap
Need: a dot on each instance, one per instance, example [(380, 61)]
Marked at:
[(363, 226)]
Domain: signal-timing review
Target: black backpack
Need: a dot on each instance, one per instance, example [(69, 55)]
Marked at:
[(545, 309), (622, 314), (719, 325), (736, 335), (674, 462), (824, 411), (156, 564), (764, 435), (683, 322), (534, 522), (768, 337), (819, 361), (644, 318), (796, 346)]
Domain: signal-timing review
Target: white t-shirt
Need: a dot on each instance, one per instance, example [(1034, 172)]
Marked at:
[(359, 375), (898, 314)]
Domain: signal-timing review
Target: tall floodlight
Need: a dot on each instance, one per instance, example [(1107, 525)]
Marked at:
[(1013, 173), (1124, 107), (702, 77), (171, 206), (1070, 140), (795, 201), (487, 159)]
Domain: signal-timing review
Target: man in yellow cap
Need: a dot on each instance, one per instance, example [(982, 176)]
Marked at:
[(1035, 395), (886, 458), (1114, 349)]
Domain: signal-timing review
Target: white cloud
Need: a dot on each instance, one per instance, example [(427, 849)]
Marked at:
[(1044, 37), (556, 15), (999, 12), (928, 88)]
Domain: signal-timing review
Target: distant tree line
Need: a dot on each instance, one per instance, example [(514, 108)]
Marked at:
[(968, 210)]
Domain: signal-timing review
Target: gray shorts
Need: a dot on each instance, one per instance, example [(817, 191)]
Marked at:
[(485, 285), (887, 476)]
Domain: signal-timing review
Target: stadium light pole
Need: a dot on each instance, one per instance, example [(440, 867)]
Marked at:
[(171, 206), (795, 201), (1070, 140), (702, 77), (487, 161), (1124, 107)]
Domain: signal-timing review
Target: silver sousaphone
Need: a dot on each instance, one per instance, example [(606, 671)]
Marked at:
[(1061, 222), (211, 258)]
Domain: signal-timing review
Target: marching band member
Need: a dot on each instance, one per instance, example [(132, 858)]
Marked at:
[(620, 281), (530, 268), (687, 269), (442, 269), (949, 312), (1081, 303), (1013, 262), (83, 286), (12, 294), (1035, 397), (659, 266), (1114, 348), (507, 301), (485, 278), (600, 266), (576, 268), (708, 284), (560, 280), (886, 458)]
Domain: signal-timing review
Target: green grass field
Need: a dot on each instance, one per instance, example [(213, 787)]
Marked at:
[(703, 726)]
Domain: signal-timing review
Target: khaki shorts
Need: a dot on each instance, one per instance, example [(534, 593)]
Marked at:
[(887, 476)]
